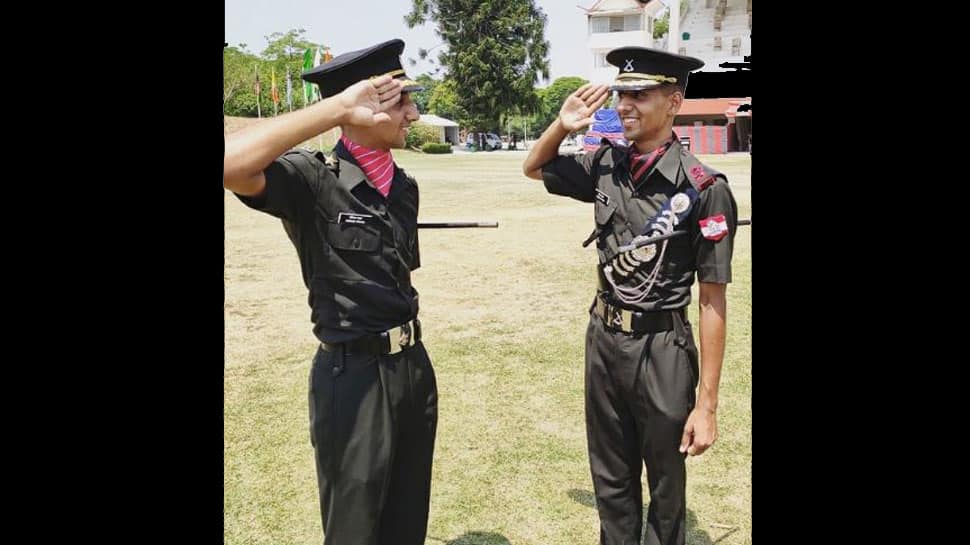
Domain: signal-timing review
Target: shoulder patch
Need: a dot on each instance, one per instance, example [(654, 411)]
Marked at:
[(714, 227), (700, 176)]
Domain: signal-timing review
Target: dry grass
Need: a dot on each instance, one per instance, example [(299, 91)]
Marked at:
[(504, 314)]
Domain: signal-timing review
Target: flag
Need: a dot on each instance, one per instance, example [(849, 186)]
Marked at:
[(309, 90), (606, 124)]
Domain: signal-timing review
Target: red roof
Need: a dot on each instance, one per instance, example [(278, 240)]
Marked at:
[(713, 106)]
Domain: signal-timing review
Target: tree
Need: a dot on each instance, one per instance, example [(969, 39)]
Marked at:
[(288, 45), (552, 98), (661, 26), (284, 51), (239, 81), (421, 98), (496, 51), (444, 102)]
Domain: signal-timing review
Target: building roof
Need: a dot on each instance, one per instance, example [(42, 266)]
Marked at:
[(713, 106), (436, 121), (617, 6)]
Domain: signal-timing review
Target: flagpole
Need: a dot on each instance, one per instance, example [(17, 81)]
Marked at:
[(258, 113), (289, 91)]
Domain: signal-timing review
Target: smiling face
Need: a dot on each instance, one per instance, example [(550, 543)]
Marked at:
[(392, 135), (648, 114), (388, 134)]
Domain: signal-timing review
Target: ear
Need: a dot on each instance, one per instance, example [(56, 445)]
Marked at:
[(676, 101)]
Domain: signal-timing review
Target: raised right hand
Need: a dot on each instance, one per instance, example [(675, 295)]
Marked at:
[(578, 109), (365, 102)]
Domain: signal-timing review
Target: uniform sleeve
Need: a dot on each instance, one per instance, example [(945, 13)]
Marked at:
[(415, 252), (571, 177), (292, 182), (416, 246), (715, 225)]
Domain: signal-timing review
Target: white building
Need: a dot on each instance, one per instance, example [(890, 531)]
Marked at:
[(617, 23), (714, 31), (447, 129)]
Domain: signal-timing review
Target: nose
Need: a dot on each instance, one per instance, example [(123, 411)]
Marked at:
[(411, 111), (624, 104)]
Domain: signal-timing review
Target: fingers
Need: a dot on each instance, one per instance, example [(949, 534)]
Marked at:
[(388, 86), (380, 81), (585, 91), (578, 93), (590, 92), (687, 437), (390, 98), (599, 98), (701, 439)]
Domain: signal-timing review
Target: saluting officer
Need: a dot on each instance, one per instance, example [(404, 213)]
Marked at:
[(373, 398), (641, 359)]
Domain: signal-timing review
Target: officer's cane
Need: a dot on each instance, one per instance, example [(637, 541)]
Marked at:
[(456, 224), (650, 240)]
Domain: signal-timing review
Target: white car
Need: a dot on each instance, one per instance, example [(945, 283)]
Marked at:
[(492, 141)]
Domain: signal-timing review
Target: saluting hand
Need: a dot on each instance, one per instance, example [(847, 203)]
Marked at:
[(366, 101), (578, 109)]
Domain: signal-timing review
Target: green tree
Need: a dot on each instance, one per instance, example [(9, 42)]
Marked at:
[(496, 49), (444, 102), (552, 97), (661, 26), (422, 98), (239, 81), (284, 51)]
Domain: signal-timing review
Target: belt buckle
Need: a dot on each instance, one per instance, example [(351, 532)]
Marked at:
[(613, 316), (400, 337), (621, 319)]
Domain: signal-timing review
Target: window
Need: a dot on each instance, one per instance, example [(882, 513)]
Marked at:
[(736, 46), (682, 50), (599, 60), (717, 43), (599, 24), (616, 23)]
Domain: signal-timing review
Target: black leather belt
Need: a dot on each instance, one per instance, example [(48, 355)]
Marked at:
[(631, 321), (391, 341)]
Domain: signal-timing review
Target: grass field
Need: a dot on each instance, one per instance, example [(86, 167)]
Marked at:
[(504, 315)]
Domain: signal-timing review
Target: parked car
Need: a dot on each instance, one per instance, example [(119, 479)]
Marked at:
[(492, 141)]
